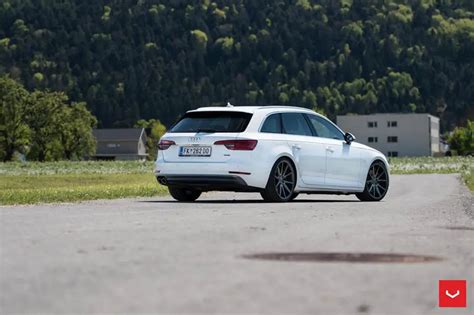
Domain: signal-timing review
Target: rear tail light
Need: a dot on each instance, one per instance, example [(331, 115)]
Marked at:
[(240, 145), (165, 144)]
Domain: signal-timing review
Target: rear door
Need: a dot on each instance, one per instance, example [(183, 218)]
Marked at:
[(309, 153), (196, 133)]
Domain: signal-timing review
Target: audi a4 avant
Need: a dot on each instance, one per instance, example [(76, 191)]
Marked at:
[(278, 151)]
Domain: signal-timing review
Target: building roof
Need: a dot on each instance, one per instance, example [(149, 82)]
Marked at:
[(118, 134), (389, 115)]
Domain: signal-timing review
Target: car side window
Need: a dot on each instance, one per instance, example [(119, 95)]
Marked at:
[(295, 124), (324, 128), (272, 124)]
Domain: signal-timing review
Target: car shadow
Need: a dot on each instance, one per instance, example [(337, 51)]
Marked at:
[(244, 201)]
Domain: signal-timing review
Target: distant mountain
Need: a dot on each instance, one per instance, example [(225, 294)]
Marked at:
[(156, 59)]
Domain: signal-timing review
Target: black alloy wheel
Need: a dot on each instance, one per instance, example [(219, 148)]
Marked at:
[(281, 184), (376, 184)]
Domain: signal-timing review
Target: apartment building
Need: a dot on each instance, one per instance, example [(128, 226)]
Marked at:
[(395, 134)]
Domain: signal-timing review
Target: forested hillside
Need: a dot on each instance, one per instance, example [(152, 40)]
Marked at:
[(155, 59)]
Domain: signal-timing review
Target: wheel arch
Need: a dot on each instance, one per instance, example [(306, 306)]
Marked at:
[(289, 157), (377, 159), (383, 160), (367, 163), (276, 158)]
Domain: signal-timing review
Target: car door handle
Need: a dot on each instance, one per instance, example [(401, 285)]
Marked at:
[(330, 149), (296, 147)]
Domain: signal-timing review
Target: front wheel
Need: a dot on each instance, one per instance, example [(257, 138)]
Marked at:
[(183, 194), (376, 184), (281, 183)]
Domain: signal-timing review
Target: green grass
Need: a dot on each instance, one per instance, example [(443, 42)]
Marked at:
[(75, 167), (440, 165), (469, 180), (30, 183), (51, 182), (428, 165)]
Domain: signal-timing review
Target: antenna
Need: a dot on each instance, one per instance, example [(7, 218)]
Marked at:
[(229, 104)]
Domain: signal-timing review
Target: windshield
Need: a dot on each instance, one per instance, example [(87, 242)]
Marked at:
[(212, 122)]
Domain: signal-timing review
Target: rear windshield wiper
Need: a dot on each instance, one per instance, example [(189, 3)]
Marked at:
[(206, 130)]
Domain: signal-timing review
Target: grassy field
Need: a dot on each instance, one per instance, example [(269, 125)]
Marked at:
[(440, 165), (29, 183)]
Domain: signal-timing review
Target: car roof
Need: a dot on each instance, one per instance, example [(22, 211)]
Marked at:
[(250, 109)]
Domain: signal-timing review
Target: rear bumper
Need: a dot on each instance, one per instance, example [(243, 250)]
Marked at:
[(250, 171), (207, 182)]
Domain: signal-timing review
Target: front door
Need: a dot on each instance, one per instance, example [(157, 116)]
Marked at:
[(342, 164), (343, 161)]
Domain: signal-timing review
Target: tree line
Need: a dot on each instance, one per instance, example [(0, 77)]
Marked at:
[(46, 126), (149, 59)]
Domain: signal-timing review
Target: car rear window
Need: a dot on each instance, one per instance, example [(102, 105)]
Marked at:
[(212, 122)]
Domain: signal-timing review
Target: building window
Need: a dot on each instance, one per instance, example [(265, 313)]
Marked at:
[(372, 124), (392, 124), (373, 139), (392, 153), (392, 139)]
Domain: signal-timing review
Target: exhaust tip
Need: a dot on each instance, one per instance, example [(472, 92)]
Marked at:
[(162, 180)]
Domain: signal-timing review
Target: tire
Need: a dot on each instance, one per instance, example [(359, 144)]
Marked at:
[(376, 183), (293, 197), (281, 182), (183, 194)]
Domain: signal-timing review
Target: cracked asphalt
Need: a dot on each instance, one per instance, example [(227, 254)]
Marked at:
[(160, 256)]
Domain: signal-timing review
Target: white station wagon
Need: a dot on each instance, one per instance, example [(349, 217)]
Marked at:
[(278, 151)]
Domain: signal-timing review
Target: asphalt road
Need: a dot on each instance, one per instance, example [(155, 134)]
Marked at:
[(159, 256)]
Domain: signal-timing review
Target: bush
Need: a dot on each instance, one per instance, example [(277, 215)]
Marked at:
[(461, 139)]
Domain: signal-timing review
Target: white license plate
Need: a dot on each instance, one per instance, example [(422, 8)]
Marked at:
[(195, 151)]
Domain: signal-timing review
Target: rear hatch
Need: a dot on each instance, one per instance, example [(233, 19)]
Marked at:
[(193, 138)]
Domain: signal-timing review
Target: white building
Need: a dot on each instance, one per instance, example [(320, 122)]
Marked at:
[(120, 144), (395, 134)]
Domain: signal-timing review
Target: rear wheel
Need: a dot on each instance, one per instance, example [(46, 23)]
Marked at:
[(281, 183), (294, 196), (376, 184), (183, 194)]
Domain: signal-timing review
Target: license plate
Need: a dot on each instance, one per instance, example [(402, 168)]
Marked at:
[(195, 151)]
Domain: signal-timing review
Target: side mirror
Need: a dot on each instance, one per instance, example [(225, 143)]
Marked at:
[(349, 137)]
